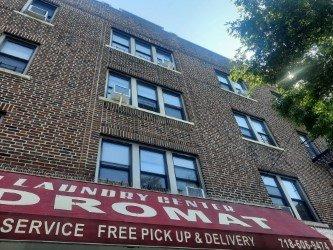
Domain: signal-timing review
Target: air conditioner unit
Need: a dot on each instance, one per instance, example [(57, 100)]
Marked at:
[(120, 95), (37, 12), (195, 192), (167, 64)]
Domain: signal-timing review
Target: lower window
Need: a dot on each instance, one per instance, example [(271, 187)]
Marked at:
[(287, 192)]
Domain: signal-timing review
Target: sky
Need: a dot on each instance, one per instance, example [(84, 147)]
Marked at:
[(202, 22)]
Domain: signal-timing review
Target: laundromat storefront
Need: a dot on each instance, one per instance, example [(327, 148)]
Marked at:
[(52, 211)]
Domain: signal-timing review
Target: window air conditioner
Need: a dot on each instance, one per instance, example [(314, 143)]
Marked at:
[(120, 95), (37, 12), (195, 192)]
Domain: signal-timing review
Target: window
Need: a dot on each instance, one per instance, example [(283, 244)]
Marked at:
[(186, 173), (15, 54), (118, 84), (254, 128), (2, 116), (225, 82), (121, 41), (149, 168), (309, 145), (41, 9), (286, 192), (143, 50), (115, 164), (164, 58), (153, 170), (147, 97), (173, 105)]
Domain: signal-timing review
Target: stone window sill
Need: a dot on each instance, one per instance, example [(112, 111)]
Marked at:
[(147, 111), (315, 224), (142, 59), (263, 144), (26, 15), (15, 73), (249, 98)]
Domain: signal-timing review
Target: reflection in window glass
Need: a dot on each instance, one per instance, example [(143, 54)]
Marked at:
[(119, 84)]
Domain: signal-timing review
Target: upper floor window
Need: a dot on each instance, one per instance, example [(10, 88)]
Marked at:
[(144, 95), (115, 163), (142, 49), (173, 105), (15, 54), (225, 82), (254, 128), (287, 192), (153, 170), (309, 145), (164, 58), (121, 41), (134, 165), (41, 9)]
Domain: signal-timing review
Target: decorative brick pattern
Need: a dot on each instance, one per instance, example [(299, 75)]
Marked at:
[(59, 120)]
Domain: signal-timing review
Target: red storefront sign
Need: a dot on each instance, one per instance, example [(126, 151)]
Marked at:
[(36, 208)]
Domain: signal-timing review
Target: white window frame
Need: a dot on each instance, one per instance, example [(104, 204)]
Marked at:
[(2, 39), (26, 6), (132, 50), (136, 169), (279, 179), (250, 122), (160, 99)]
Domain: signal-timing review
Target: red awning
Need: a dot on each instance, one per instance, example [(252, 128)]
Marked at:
[(36, 208)]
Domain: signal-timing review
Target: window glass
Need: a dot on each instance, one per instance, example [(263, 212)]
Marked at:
[(187, 174), (172, 112), (114, 175), (120, 84), (153, 182), (244, 126), (224, 81), (121, 41), (310, 146), (17, 50), (115, 153), (182, 184), (43, 8), (241, 121), (147, 97), (143, 50), (240, 88), (278, 201), (172, 99), (173, 105), (152, 162), (303, 210), (163, 56), (269, 181), (291, 189), (183, 162), (147, 91)]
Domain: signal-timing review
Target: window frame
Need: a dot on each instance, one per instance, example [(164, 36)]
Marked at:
[(165, 176), (143, 83), (231, 85), (123, 34), (181, 108), (143, 44), (29, 2), (153, 49), (309, 145), (249, 119), (279, 180), (120, 75), (135, 170), (21, 42), (114, 166)]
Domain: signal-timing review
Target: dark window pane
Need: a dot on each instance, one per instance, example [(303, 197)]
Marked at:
[(172, 99), (153, 182), (303, 210), (148, 104), (13, 64), (17, 49), (115, 153), (181, 185), (147, 91), (173, 112), (260, 128), (152, 162), (114, 175), (44, 8), (240, 88), (241, 121), (310, 146), (278, 201), (247, 133), (184, 173), (273, 191), (226, 86), (184, 162)]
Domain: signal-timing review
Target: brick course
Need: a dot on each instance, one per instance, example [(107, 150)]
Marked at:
[(55, 120)]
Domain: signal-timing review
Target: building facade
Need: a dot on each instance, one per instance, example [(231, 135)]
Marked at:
[(92, 93)]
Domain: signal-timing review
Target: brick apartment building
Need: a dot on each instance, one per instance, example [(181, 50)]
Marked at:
[(96, 94)]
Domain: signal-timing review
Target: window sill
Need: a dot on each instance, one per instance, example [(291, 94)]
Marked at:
[(249, 98), (15, 73), (110, 47), (263, 144), (315, 224), (26, 15), (147, 111)]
